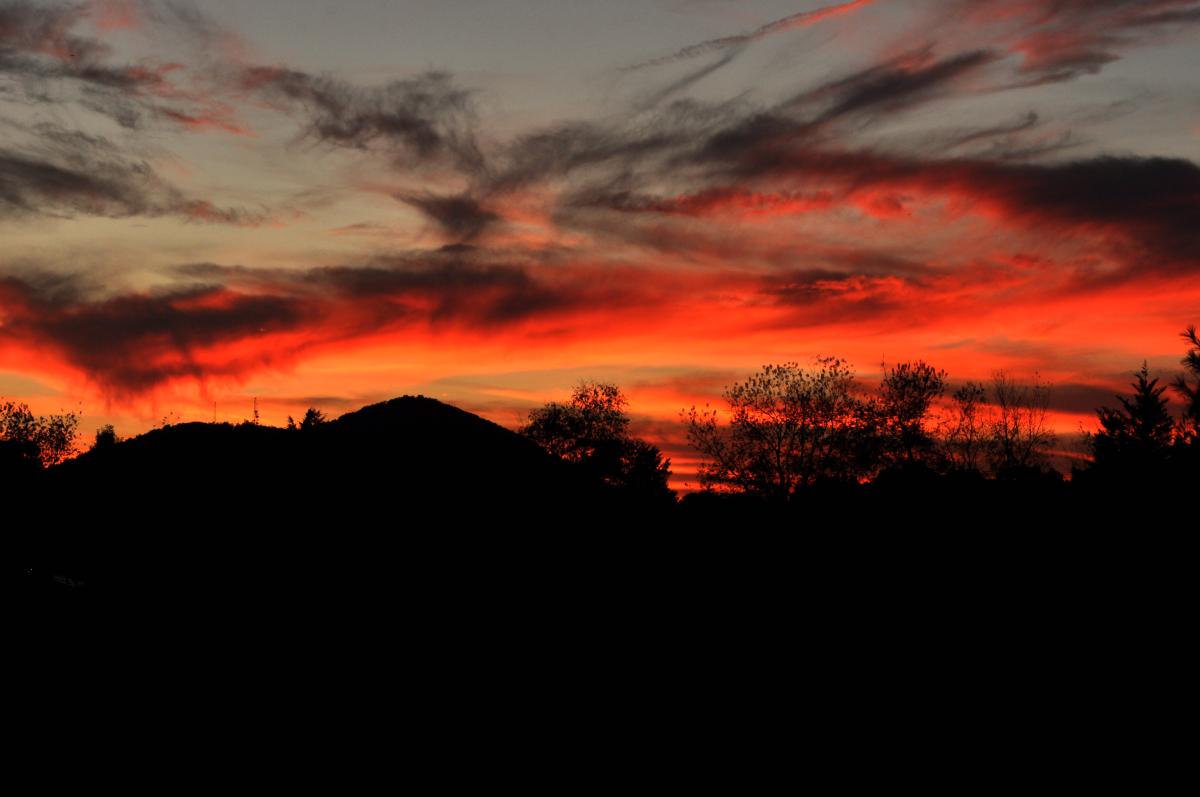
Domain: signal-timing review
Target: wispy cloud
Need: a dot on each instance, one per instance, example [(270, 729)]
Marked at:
[(737, 41)]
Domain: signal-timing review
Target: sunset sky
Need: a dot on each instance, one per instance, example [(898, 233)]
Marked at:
[(329, 204)]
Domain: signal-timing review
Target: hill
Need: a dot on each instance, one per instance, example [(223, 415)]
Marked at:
[(222, 506)]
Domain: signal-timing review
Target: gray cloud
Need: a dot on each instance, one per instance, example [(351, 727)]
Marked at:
[(69, 172), (737, 42), (418, 119)]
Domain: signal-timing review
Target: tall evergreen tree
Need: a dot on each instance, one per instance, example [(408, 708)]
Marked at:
[(1190, 390), (1137, 436)]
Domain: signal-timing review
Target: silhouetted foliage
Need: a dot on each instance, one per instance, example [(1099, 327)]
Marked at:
[(1136, 437), (966, 428), (579, 429), (1020, 437), (788, 427), (592, 431), (906, 395), (1189, 389), (51, 436), (18, 462), (106, 437), (313, 418)]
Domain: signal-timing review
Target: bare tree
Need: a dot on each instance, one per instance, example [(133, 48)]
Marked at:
[(966, 428), (1020, 436)]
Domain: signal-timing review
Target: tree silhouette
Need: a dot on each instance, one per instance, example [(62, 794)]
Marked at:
[(53, 437), (106, 437), (1019, 436), (583, 428), (313, 418), (18, 461), (788, 427), (1190, 390), (592, 431), (906, 395), (1136, 437), (966, 430)]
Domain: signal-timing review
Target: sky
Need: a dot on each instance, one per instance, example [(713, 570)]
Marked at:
[(212, 203)]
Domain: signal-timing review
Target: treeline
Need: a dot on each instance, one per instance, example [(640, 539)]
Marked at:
[(789, 429)]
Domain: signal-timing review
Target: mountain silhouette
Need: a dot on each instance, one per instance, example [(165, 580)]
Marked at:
[(411, 447), (362, 498)]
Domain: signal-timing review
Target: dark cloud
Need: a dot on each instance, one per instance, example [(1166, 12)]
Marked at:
[(29, 185), (690, 135), (622, 146), (1083, 399), (223, 321), (1005, 142), (899, 84), (572, 147), (445, 286), (1149, 202), (660, 94), (1054, 41), (70, 172), (461, 217), (822, 296), (422, 118), (130, 344), (892, 86)]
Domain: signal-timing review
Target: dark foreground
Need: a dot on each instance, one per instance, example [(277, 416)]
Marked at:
[(418, 507)]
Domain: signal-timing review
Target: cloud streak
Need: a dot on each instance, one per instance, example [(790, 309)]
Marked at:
[(227, 321), (736, 42), (423, 118), (72, 173), (1058, 40)]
